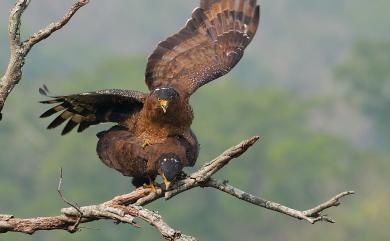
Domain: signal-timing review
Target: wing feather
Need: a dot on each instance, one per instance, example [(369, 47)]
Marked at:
[(69, 126), (211, 43), (91, 108)]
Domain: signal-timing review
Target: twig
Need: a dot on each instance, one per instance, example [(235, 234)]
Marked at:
[(19, 49), (73, 228), (199, 177), (312, 215), (125, 208), (166, 231), (315, 213)]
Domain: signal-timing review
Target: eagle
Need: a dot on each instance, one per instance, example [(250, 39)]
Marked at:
[(210, 44), (143, 164)]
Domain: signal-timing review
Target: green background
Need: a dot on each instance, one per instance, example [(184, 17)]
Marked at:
[(314, 84)]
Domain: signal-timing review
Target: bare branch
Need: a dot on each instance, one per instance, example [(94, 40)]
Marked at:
[(312, 215), (121, 214), (166, 231), (73, 228), (125, 208), (8, 223), (14, 23), (203, 174), (19, 49), (51, 28), (333, 202)]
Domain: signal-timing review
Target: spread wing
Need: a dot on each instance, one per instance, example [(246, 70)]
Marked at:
[(209, 46), (91, 108)]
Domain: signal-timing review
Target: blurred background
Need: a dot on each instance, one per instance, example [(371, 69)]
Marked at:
[(314, 83)]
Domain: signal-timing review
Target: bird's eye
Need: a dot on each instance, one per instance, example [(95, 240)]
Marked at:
[(158, 98)]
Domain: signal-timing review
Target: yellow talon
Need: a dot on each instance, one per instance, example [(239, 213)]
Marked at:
[(152, 185), (166, 182)]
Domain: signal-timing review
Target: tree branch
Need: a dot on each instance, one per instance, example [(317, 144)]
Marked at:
[(19, 50), (73, 228), (51, 28), (312, 215), (126, 208)]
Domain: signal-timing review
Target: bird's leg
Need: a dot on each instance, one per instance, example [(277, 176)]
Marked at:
[(152, 185), (139, 181), (166, 182)]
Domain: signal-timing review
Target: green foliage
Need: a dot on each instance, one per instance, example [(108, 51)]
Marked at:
[(367, 75)]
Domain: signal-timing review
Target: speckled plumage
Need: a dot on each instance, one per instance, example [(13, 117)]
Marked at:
[(211, 43)]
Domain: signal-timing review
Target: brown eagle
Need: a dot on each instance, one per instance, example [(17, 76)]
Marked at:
[(210, 44), (121, 150)]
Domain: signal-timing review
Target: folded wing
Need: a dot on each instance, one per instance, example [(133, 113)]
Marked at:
[(91, 108), (209, 46)]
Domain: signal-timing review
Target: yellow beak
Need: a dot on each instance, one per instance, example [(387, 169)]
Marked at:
[(166, 182), (164, 105)]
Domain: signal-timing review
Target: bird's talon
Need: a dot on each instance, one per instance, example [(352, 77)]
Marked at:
[(152, 185)]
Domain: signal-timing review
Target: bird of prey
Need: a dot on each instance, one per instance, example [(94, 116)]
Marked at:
[(166, 159), (210, 44)]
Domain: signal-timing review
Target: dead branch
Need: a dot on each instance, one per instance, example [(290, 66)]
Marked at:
[(19, 49), (312, 215), (73, 228), (126, 208)]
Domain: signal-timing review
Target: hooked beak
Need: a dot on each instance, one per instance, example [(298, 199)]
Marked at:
[(166, 182), (164, 105)]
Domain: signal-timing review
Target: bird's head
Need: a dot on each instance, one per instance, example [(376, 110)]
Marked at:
[(169, 166), (165, 96)]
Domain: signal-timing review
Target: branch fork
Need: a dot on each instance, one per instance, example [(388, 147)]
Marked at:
[(19, 49)]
